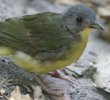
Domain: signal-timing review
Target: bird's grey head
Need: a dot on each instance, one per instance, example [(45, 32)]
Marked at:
[(79, 17)]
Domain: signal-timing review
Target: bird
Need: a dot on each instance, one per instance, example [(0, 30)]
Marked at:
[(45, 42)]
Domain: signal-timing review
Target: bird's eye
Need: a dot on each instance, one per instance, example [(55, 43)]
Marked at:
[(79, 20)]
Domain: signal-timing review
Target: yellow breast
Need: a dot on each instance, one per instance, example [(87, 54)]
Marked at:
[(32, 65)]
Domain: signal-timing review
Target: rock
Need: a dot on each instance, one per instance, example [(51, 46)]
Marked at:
[(102, 75)]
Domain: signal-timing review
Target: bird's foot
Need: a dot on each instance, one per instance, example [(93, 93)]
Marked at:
[(55, 92), (59, 74)]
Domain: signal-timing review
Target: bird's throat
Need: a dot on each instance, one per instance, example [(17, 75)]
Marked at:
[(85, 32)]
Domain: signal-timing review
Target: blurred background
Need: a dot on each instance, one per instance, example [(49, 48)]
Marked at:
[(92, 71)]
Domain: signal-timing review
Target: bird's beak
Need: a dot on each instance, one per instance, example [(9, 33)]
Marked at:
[(97, 25)]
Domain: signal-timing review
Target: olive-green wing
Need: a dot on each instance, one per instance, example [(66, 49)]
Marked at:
[(45, 30), (47, 35), (38, 34)]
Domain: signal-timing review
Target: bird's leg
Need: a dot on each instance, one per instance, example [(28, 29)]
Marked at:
[(56, 92), (59, 74)]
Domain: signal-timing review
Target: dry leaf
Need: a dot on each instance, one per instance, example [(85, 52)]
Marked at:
[(96, 2), (16, 95), (38, 93), (104, 11), (102, 75), (2, 91), (67, 2)]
